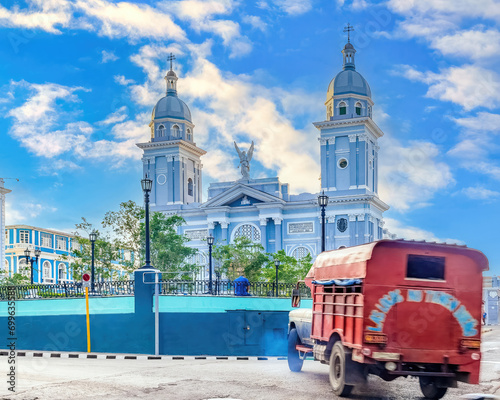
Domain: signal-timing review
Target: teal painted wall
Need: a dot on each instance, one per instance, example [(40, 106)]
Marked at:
[(189, 325)]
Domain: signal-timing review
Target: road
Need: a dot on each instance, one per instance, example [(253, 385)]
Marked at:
[(190, 379)]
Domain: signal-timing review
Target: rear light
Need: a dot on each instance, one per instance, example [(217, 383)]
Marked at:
[(470, 343), (375, 338), (366, 351), (475, 356)]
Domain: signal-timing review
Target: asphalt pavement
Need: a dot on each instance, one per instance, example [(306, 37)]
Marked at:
[(55, 378)]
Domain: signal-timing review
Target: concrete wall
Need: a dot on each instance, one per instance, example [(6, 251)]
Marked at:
[(189, 325)]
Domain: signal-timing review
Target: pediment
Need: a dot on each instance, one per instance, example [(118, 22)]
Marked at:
[(241, 195)]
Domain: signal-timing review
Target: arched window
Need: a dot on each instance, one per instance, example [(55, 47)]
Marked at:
[(190, 187), (189, 135), (175, 131), (161, 131), (61, 272), (300, 252), (342, 108), (200, 260), (23, 267), (47, 272), (249, 231), (358, 108)]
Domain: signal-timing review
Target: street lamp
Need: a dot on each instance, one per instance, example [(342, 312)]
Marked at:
[(210, 242), (93, 238), (323, 202), (32, 260), (277, 264), (147, 185)]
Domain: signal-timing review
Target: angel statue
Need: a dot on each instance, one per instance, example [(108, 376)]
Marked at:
[(245, 158)]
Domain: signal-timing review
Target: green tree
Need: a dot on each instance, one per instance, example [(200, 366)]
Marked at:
[(15, 279), (242, 256), (290, 270), (124, 230), (168, 250), (107, 255)]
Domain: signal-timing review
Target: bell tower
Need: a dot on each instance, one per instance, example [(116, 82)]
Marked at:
[(172, 159), (348, 136)]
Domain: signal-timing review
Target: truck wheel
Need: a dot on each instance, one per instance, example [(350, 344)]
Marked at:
[(294, 360), (337, 371), (430, 389)]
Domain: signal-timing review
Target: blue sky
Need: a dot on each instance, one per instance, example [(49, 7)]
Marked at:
[(79, 78)]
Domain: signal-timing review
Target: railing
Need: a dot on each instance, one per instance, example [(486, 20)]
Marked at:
[(66, 289), (167, 287), (227, 288)]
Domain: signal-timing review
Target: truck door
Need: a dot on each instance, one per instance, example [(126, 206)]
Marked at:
[(423, 320)]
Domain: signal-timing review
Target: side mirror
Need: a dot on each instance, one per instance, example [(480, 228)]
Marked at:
[(296, 298)]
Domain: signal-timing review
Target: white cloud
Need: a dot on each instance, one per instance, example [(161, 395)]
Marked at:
[(120, 79), (409, 176), (483, 121), (480, 193), (38, 126), (478, 149), (129, 20), (469, 86), (294, 7), (255, 22), (487, 9), (41, 14), (475, 44), (24, 211), (108, 56), (412, 233), (118, 116), (34, 120)]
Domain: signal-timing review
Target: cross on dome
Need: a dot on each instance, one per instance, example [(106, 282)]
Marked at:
[(349, 28), (170, 58)]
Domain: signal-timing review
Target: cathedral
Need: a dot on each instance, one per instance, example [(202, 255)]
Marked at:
[(264, 210)]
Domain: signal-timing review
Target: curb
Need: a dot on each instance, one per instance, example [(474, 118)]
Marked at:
[(100, 356)]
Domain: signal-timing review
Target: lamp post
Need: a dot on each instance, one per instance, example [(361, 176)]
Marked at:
[(323, 202), (210, 242), (32, 260), (277, 264), (93, 238), (147, 184)]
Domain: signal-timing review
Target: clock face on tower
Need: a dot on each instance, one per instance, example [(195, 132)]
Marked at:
[(342, 224)]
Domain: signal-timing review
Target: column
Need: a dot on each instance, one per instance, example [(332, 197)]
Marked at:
[(170, 179), (224, 225), (277, 225), (263, 232), (352, 229), (352, 161), (177, 174), (330, 230), (325, 181), (211, 226), (332, 165), (361, 229)]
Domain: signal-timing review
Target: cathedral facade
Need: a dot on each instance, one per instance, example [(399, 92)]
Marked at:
[(264, 210)]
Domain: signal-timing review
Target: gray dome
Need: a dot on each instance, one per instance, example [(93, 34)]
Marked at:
[(171, 73), (171, 107), (349, 82)]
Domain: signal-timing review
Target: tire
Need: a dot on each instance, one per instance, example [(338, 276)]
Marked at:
[(294, 360), (338, 371), (429, 388)]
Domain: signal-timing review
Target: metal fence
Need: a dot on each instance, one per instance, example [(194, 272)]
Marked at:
[(167, 287), (65, 290), (227, 288)]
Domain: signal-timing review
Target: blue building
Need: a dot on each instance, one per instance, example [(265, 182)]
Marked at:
[(264, 210), (53, 244)]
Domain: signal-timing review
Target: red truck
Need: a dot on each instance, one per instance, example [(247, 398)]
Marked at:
[(392, 308)]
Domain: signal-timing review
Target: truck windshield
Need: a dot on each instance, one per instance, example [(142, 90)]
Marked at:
[(425, 267)]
